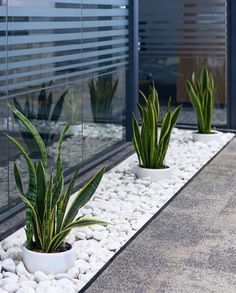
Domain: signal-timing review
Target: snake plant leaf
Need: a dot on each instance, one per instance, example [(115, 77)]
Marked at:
[(83, 197), (64, 131), (175, 115), (201, 93), (205, 78), (57, 192), (208, 111), (137, 140), (47, 214), (197, 106), (81, 222), (31, 193), (63, 201), (35, 217), (144, 97), (85, 222), (59, 144), (18, 180), (57, 240), (145, 141), (165, 126), (152, 130), (33, 131), (41, 190)]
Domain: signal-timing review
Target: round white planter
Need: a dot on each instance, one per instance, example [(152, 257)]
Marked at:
[(205, 138), (154, 174), (49, 263)]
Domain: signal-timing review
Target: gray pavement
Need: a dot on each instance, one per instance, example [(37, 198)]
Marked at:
[(190, 246)]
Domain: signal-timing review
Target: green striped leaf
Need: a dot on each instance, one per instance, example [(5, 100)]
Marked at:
[(83, 197), (18, 180), (41, 190), (33, 131)]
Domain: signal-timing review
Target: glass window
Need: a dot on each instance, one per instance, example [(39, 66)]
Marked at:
[(67, 62), (179, 38)]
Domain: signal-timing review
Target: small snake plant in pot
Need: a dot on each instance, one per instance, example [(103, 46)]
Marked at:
[(201, 92), (49, 216), (150, 146)]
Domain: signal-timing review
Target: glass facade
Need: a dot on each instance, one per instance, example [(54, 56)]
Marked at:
[(177, 38), (62, 60)]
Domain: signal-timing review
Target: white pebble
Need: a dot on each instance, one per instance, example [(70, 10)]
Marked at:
[(73, 272), (82, 255), (53, 289), (14, 253), (10, 287), (20, 269), (83, 266), (63, 275), (99, 235), (31, 284), (25, 289), (9, 265), (40, 276), (113, 245)]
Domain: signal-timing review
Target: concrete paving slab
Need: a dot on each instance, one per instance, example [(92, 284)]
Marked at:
[(190, 246)]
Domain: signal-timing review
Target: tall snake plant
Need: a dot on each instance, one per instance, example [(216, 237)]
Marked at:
[(150, 147), (201, 93), (49, 217)]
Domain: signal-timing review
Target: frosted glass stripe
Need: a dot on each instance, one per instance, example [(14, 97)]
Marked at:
[(14, 40), (43, 50), (66, 12), (50, 60), (19, 26)]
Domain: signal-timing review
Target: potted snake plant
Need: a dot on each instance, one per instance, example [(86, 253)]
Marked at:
[(49, 216), (150, 146), (201, 92)]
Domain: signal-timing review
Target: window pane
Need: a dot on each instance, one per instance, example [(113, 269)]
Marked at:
[(179, 38)]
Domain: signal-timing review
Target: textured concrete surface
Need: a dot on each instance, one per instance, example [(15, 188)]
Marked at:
[(190, 246)]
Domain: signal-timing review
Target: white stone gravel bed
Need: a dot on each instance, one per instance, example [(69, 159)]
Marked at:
[(121, 199)]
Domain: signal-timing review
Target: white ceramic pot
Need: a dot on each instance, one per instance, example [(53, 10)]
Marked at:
[(205, 138), (154, 174), (49, 263)]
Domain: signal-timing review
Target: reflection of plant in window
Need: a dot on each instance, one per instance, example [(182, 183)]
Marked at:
[(74, 107), (102, 91), (42, 112)]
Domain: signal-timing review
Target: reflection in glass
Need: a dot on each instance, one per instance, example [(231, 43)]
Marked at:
[(102, 91), (44, 113), (103, 112), (181, 37)]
